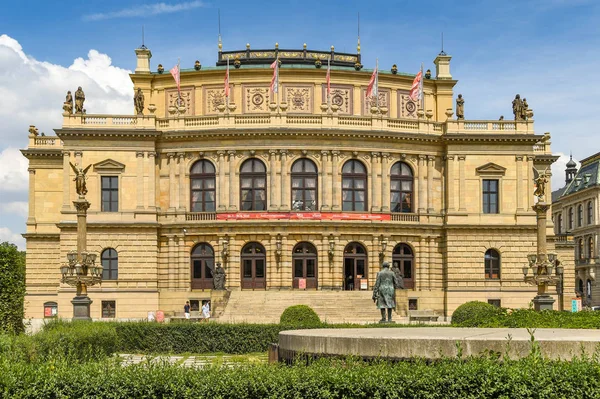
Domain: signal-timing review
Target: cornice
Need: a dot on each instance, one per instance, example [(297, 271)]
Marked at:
[(42, 153), (95, 132), (460, 137), (42, 236)]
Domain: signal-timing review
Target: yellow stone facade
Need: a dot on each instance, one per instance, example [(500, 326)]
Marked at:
[(154, 230)]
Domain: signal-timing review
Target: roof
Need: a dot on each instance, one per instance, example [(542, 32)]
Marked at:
[(587, 176), (557, 194)]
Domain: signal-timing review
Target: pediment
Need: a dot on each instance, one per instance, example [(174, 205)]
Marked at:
[(109, 165), (491, 169)]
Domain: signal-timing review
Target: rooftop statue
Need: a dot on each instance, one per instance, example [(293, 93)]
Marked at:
[(80, 186), (79, 99), (384, 291), (138, 101), (517, 105), (68, 105), (460, 107)]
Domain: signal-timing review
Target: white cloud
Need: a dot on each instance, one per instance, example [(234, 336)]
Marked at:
[(13, 238), (145, 10), (20, 208), (13, 171)]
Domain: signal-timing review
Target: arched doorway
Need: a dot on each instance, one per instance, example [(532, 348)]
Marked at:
[(202, 266), (304, 258), (404, 257), (254, 270), (355, 266)]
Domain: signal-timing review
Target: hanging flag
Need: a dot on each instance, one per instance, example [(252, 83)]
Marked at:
[(275, 78), (227, 79), (372, 87), (176, 75), (328, 77), (417, 88)]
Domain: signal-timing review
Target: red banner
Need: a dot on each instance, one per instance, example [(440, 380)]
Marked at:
[(303, 216)]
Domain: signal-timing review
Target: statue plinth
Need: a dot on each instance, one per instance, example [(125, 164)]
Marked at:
[(81, 307)]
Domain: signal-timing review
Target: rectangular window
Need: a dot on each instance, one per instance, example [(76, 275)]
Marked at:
[(413, 304), (495, 302), (109, 309), (110, 194), (490, 196), (194, 305)]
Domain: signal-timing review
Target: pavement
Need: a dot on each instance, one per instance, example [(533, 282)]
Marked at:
[(197, 361)]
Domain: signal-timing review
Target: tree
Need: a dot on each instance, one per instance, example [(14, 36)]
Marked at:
[(12, 288)]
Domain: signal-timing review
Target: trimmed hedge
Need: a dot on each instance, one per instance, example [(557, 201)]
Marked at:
[(475, 314), (299, 315), (474, 378)]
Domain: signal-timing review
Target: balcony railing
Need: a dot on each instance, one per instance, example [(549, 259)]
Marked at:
[(405, 217), (197, 216)]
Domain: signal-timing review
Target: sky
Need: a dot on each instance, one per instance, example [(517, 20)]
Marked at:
[(545, 50)]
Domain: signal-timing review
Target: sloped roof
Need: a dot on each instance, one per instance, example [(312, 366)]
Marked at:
[(587, 176)]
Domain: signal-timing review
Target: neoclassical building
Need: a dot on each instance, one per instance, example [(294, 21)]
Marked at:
[(295, 191)]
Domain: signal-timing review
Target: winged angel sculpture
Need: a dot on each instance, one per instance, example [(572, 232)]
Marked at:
[(80, 178)]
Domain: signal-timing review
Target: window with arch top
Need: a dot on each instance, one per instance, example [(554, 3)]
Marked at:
[(570, 218), (110, 264), (590, 247), (354, 186), (579, 215), (590, 213), (401, 188), (492, 264), (304, 185), (253, 185), (202, 186)]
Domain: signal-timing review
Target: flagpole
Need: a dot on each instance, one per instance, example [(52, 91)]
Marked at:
[(277, 81), (227, 88), (422, 94), (377, 83), (179, 84), (329, 82)]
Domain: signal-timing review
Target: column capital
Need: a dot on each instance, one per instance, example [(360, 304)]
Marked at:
[(385, 155), (519, 158), (66, 154), (422, 157), (449, 158), (272, 152), (31, 171), (221, 153), (283, 152), (170, 155), (139, 154), (375, 155), (231, 152), (151, 154), (181, 155), (462, 157), (324, 152), (430, 157), (335, 153), (78, 153)]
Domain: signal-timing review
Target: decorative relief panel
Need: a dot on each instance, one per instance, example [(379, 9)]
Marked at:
[(367, 103), (255, 99), (407, 108), (340, 96), (299, 98), (214, 96), (187, 100)]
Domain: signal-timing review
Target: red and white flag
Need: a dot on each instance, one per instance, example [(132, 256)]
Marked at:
[(415, 90), (227, 79), (176, 75), (372, 86), (275, 78), (328, 77)]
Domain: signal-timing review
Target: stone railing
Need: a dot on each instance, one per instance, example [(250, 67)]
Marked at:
[(44, 141), (493, 127), (405, 217), (198, 216)]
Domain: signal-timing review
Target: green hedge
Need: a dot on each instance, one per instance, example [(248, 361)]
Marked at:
[(475, 314), (475, 378), (299, 315)]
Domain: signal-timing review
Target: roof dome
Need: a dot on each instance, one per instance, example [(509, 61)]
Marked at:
[(571, 163)]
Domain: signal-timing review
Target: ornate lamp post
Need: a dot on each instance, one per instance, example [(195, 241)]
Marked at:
[(81, 270), (542, 263)]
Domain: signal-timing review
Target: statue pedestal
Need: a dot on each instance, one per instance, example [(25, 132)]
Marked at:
[(81, 308), (543, 302), (402, 303)]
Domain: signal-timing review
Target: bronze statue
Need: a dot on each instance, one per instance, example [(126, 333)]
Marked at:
[(219, 278), (460, 107), (384, 291), (79, 179), (68, 105), (525, 110), (399, 276), (517, 105), (540, 189), (79, 99), (138, 101)]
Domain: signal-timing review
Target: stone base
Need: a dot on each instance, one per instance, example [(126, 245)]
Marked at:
[(81, 308), (543, 302), (386, 322)]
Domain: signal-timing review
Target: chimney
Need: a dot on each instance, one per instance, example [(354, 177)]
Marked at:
[(442, 66), (143, 59)]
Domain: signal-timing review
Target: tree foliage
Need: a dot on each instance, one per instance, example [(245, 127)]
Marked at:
[(12, 288)]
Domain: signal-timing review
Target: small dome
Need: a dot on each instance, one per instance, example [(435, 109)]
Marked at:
[(571, 163)]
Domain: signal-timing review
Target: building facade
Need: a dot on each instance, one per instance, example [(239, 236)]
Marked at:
[(290, 191)]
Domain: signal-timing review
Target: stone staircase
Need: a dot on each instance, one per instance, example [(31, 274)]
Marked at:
[(331, 306)]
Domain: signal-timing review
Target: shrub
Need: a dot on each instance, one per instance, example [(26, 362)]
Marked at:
[(12, 288), (476, 314), (299, 315)]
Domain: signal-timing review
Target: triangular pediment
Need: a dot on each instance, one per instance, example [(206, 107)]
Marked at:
[(109, 165), (491, 169)]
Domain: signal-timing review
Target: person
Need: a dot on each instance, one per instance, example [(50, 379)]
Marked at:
[(206, 311), (384, 291), (186, 310)]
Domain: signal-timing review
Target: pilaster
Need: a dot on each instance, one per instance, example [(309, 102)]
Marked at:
[(273, 181), (181, 204), (451, 183), (171, 157), (151, 161), (232, 206), (140, 179), (222, 189), (335, 205), (462, 184), (285, 181), (31, 217), (385, 185), (66, 180), (519, 188), (422, 192), (324, 203), (375, 199), (430, 188)]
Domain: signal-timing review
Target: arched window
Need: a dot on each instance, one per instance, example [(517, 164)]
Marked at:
[(559, 224), (202, 187), (580, 286), (580, 215), (355, 266), (590, 213), (590, 247), (404, 258), (401, 188), (580, 248), (492, 264), (304, 258), (354, 186), (110, 264), (304, 185), (570, 218), (253, 185), (254, 266), (588, 291), (202, 266)]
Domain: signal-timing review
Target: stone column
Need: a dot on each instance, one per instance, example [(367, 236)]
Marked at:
[(430, 188), (171, 262), (450, 183), (151, 161), (429, 261), (324, 204), (335, 205), (31, 218), (78, 156), (66, 182), (140, 179), (183, 268), (181, 157), (221, 186), (375, 200), (385, 183), (462, 184), (232, 206), (273, 181), (421, 173), (285, 189), (171, 181), (519, 188)]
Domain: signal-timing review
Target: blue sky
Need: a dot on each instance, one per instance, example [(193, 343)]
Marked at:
[(546, 50)]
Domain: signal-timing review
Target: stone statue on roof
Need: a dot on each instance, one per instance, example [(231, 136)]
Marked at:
[(79, 100), (138, 101), (68, 104), (460, 107), (517, 105)]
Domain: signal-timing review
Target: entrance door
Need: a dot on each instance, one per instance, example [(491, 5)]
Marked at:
[(305, 266), (254, 267), (404, 258), (355, 266), (202, 264)]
